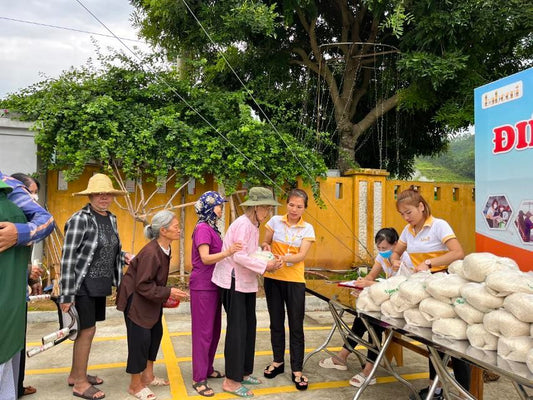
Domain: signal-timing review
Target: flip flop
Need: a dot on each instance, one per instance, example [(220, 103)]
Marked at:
[(159, 382), (242, 391), (251, 380), (92, 379), (300, 382), (145, 394), (216, 375), (202, 392), (28, 390), (89, 394)]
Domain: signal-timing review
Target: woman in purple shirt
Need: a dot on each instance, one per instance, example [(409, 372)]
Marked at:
[(205, 295)]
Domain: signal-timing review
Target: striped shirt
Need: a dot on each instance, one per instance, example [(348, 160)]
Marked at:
[(81, 241), (40, 222), (430, 242)]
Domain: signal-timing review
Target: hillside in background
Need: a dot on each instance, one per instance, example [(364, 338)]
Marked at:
[(456, 164)]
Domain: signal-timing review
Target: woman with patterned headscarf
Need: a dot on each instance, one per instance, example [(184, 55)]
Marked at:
[(205, 296)]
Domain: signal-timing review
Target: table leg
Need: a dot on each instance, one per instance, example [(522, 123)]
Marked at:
[(323, 345), (447, 380)]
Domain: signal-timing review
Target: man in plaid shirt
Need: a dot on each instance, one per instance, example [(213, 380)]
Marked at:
[(91, 263)]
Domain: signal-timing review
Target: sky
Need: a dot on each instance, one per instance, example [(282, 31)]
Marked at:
[(29, 53)]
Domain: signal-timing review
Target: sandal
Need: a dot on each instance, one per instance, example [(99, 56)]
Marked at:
[(358, 380), (216, 375), (271, 371), (145, 394), (251, 380), (159, 382), (242, 391), (28, 390), (203, 392), (300, 382), (90, 393), (92, 379), (329, 363)]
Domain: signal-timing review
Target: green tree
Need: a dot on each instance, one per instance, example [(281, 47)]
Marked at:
[(141, 117), (421, 58)]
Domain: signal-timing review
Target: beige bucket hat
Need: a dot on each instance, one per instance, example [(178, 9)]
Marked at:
[(260, 196), (100, 183)]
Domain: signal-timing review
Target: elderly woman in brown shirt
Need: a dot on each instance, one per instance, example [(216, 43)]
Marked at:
[(141, 295)]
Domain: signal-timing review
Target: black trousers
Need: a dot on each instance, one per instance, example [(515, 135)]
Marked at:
[(241, 327), (22, 365), (359, 329), (461, 371), (281, 294), (143, 343)]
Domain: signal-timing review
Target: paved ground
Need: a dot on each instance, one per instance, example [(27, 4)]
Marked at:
[(48, 371)]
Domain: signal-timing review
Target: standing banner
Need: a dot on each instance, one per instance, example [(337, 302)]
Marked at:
[(504, 168)]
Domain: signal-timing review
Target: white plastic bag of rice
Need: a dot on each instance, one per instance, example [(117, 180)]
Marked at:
[(483, 355), (445, 286), (477, 266), (454, 344), (381, 291), (481, 339), (466, 312), (414, 317), (520, 305), (529, 360), (364, 302), (456, 268), (450, 328), (477, 296), (388, 310), (515, 348), (413, 291), (401, 304), (504, 282), (433, 309), (503, 323)]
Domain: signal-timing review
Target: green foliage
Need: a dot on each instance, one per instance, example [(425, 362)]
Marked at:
[(446, 48), (455, 164), (153, 123)]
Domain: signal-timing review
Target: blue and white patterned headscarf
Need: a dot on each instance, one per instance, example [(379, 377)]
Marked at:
[(205, 208)]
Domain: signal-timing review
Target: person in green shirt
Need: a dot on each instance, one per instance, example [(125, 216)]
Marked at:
[(13, 267)]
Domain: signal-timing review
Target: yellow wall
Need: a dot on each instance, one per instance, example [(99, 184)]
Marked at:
[(342, 231), (458, 210)]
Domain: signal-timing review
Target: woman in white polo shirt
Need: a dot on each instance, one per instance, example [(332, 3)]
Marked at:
[(289, 237), (432, 245)]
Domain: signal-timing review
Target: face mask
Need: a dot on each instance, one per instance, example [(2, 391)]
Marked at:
[(385, 254), (34, 196)]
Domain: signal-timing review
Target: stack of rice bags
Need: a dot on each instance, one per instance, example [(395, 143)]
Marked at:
[(484, 298)]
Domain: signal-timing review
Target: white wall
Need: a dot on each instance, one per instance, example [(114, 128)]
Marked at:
[(18, 151)]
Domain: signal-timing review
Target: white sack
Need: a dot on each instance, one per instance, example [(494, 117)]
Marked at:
[(413, 291), (400, 304), (520, 305), (381, 291), (414, 317), (481, 339), (477, 296), (364, 302), (388, 310), (477, 266), (483, 355), (466, 312), (515, 348), (450, 328), (445, 286), (505, 282), (529, 360), (503, 323), (433, 309), (456, 267)]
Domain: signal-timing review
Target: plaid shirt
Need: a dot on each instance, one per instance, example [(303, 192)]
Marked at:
[(81, 240), (40, 222)]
